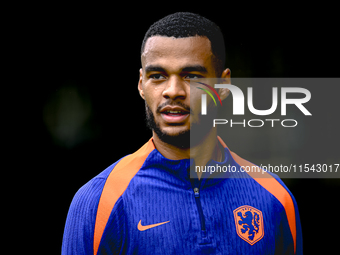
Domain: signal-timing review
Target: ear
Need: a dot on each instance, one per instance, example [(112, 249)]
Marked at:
[(140, 88), (224, 92)]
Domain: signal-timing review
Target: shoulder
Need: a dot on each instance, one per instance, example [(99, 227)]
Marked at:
[(275, 186), (115, 185), (81, 217), (87, 197), (93, 203), (90, 192), (285, 189), (269, 181)]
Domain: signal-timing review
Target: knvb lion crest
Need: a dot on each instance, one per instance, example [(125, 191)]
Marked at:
[(249, 223)]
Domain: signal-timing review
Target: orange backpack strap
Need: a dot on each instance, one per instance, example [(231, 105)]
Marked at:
[(114, 187), (273, 186)]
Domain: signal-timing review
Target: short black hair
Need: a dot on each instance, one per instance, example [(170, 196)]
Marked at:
[(187, 24)]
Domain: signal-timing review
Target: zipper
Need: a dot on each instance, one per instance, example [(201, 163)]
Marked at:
[(199, 207)]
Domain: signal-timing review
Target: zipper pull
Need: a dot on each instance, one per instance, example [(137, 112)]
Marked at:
[(197, 192)]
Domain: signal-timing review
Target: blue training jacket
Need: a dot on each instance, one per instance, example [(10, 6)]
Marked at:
[(147, 204)]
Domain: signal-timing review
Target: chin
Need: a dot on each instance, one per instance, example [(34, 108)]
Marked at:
[(176, 136), (175, 131)]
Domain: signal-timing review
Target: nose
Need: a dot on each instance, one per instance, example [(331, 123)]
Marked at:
[(176, 88)]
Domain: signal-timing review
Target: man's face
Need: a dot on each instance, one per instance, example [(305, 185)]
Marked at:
[(168, 65)]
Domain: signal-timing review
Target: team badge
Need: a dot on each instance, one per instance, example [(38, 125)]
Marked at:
[(249, 223)]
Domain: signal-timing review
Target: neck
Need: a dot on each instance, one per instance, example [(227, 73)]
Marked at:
[(206, 150)]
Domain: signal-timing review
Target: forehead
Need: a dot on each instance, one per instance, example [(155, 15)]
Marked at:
[(170, 51)]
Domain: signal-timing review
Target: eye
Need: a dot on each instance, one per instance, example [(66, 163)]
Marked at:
[(157, 76), (192, 76)]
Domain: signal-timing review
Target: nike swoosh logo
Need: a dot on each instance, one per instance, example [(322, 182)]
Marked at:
[(142, 228)]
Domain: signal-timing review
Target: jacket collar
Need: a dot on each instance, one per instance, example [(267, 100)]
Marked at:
[(185, 169)]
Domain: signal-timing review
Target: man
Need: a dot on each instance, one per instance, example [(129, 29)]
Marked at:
[(153, 201)]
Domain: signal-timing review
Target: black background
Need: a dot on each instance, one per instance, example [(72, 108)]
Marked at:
[(85, 61)]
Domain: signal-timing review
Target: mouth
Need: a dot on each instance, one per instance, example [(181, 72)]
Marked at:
[(174, 115)]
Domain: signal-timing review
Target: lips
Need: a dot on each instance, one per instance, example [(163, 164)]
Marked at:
[(174, 114)]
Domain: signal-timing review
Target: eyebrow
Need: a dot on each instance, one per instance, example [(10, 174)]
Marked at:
[(153, 68), (187, 69), (195, 68)]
